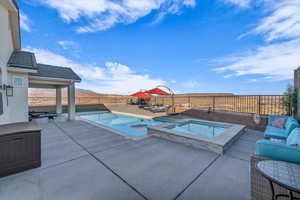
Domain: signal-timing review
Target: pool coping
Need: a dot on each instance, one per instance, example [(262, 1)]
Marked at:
[(218, 144), (132, 115), (127, 136)]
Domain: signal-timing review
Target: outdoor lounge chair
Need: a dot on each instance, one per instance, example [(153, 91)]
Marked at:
[(160, 109), (41, 115)]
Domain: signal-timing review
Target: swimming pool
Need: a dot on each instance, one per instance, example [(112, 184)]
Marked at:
[(208, 135), (200, 128), (125, 124)]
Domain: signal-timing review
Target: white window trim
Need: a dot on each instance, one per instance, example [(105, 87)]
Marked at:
[(19, 77)]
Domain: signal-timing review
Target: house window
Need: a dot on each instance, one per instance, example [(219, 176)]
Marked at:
[(18, 81)]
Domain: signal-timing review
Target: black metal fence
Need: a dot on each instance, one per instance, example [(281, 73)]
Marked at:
[(261, 104)]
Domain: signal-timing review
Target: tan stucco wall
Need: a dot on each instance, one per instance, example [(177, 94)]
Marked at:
[(16, 108), (18, 103), (6, 48)]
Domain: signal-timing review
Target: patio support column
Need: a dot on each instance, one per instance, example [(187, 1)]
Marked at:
[(71, 101), (58, 100)]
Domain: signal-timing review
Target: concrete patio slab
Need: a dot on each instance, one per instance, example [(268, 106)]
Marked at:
[(60, 151), (57, 147), (159, 169), (244, 147), (83, 161), (227, 178), (79, 179), (252, 135), (91, 137)]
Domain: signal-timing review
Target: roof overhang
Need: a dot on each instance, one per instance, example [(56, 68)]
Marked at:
[(50, 81), (21, 70), (11, 5)]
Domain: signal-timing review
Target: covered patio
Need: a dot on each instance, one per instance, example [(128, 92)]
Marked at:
[(53, 77), (47, 76)]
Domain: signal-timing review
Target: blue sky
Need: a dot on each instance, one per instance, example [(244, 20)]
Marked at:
[(120, 46)]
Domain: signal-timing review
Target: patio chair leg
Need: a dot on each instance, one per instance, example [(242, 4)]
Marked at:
[(272, 190)]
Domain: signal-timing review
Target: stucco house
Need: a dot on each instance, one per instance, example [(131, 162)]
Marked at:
[(20, 71)]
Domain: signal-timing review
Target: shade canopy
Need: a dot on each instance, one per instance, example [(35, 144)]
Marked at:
[(157, 91), (141, 95)]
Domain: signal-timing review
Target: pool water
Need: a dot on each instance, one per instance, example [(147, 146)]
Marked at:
[(198, 128), (123, 123)]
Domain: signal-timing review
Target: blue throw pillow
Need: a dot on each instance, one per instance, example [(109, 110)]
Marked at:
[(294, 138)]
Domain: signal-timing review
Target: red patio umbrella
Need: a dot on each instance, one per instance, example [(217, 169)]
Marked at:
[(157, 91), (141, 95)]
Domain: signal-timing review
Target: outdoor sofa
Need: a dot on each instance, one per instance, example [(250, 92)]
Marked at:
[(280, 133), (282, 144)]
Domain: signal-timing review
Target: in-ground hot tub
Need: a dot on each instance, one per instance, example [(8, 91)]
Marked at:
[(212, 136)]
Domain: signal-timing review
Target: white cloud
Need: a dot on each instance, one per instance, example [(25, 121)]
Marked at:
[(24, 22), (66, 44), (277, 61), (104, 14), (253, 80), (190, 84), (283, 21), (112, 78), (240, 3), (228, 75)]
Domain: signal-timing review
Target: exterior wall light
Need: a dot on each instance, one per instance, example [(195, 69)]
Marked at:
[(9, 91)]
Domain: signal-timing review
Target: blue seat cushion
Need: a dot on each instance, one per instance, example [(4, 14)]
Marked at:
[(290, 125), (294, 137), (278, 151), (273, 132)]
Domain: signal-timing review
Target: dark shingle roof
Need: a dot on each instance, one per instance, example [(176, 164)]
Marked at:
[(26, 60), (50, 71), (22, 59)]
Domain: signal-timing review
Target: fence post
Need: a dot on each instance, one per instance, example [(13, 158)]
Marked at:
[(214, 103), (259, 104)]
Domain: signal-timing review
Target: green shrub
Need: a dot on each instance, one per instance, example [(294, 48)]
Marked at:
[(290, 100)]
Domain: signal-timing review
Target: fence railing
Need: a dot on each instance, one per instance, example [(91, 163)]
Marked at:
[(261, 104)]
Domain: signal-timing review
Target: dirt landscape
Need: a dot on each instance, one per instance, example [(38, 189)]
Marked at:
[(262, 104)]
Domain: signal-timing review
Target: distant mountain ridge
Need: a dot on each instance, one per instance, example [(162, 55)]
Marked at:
[(37, 92), (90, 93), (205, 94)]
